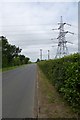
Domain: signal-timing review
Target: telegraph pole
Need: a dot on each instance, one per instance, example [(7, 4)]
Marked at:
[(62, 49), (40, 54)]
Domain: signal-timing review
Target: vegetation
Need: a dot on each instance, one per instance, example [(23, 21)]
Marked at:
[(38, 60), (51, 103), (11, 54), (64, 74), (0, 54)]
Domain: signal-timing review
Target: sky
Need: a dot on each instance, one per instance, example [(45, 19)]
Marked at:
[(29, 25)]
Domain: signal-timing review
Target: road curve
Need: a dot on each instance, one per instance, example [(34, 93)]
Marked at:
[(18, 90)]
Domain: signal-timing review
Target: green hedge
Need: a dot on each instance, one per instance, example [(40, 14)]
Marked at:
[(64, 74)]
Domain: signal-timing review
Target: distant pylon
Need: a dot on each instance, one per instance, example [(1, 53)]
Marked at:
[(40, 54), (48, 54), (62, 49)]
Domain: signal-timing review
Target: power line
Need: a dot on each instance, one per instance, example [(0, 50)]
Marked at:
[(29, 25), (16, 25)]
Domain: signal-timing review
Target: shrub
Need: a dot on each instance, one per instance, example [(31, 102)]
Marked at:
[(64, 74)]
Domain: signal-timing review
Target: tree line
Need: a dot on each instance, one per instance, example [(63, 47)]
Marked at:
[(11, 54)]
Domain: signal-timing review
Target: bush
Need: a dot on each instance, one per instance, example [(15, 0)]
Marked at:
[(64, 74)]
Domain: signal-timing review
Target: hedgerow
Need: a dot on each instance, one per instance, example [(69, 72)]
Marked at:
[(64, 74)]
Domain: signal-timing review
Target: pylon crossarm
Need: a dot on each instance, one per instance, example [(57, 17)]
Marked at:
[(71, 32), (62, 24)]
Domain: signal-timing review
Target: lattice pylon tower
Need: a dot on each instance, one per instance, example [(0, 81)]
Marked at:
[(62, 49), (40, 54), (48, 54)]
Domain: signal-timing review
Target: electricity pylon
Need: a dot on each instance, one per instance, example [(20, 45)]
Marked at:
[(40, 54), (62, 48), (48, 54)]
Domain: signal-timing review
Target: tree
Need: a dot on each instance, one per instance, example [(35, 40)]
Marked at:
[(26, 60), (38, 60), (22, 59), (8, 52), (16, 61)]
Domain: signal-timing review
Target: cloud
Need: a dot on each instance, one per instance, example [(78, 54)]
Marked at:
[(40, 0), (29, 25)]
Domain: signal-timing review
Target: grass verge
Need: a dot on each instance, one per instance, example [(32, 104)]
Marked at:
[(51, 103), (11, 68)]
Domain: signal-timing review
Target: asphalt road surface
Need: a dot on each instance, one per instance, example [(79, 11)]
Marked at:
[(18, 90)]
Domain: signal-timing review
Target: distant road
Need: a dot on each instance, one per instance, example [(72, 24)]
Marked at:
[(18, 88)]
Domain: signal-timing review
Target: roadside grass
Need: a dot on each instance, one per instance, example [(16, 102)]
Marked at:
[(0, 70), (11, 68), (51, 103)]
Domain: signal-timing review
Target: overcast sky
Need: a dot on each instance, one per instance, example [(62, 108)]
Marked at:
[(29, 25)]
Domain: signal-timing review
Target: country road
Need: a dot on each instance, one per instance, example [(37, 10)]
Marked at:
[(18, 88)]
